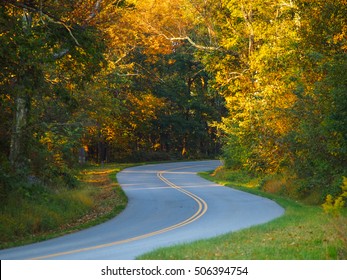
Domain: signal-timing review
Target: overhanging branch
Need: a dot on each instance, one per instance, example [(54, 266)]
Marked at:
[(201, 47), (42, 13)]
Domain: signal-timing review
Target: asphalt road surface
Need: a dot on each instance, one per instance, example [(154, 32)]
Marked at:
[(168, 204)]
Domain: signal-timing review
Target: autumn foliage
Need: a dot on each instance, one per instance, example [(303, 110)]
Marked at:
[(265, 81)]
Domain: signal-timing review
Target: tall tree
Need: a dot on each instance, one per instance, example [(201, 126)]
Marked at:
[(42, 39), (320, 134), (251, 70)]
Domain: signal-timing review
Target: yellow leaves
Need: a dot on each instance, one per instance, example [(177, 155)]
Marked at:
[(159, 21), (81, 50), (333, 205), (229, 42), (108, 132), (341, 38), (156, 147), (139, 110), (149, 26), (171, 61), (157, 45), (50, 139), (344, 187), (47, 139), (146, 106)]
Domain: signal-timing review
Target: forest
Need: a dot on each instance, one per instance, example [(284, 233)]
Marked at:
[(260, 83)]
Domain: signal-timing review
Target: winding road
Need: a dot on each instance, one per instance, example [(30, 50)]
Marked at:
[(168, 204)]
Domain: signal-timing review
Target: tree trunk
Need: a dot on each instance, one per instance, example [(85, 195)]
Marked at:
[(19, 137)]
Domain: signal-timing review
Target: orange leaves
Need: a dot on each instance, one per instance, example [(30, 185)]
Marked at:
[(145, 107), (341, 39), (157, 45)]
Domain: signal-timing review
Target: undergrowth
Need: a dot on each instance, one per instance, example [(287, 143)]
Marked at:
[(33, 211)]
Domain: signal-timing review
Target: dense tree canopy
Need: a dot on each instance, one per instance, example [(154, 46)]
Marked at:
[(145, 80), (284, 84)]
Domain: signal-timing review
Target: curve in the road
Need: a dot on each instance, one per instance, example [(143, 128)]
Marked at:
[(183, 209), (202, 208)]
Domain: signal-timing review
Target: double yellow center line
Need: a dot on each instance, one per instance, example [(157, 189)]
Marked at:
[(202, 205), (202, 208)]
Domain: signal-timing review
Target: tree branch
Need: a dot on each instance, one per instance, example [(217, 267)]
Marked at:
[(61, 54), (96, 9), (200, 47), (48, 16), (184, 38)]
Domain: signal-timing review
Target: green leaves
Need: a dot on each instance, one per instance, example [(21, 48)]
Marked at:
[(45, 65), (285, 87)]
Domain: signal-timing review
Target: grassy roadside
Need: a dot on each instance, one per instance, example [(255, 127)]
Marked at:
[(49, 213), (304, 232)]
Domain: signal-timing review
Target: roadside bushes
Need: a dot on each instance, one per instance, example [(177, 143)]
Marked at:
[(31, 209)]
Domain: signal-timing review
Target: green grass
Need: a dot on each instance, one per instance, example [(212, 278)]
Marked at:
[(34, 213), (303, 233)]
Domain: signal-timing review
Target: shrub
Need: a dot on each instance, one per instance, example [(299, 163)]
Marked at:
[(333, 205)]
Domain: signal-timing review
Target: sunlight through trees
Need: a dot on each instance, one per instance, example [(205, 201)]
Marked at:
[(263, 82)]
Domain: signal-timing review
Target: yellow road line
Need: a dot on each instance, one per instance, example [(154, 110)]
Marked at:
[(202, 208)]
